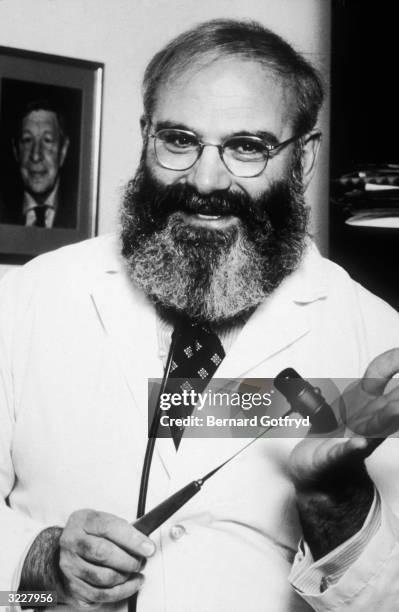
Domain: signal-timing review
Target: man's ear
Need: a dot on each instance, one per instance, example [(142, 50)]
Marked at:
[(144, 126), (64, 150), (310, 150)]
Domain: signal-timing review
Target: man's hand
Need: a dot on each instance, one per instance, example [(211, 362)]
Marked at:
[(334, 491), (100, 556), (369, 411), (370, 414)]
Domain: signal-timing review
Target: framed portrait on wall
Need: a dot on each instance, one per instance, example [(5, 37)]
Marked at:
[(50, 122)]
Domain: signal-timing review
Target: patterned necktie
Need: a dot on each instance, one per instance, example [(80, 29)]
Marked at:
[(40, 212), (197, 354)]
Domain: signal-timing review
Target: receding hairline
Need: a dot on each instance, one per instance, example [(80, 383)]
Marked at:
[(200, 62), (40, 110), (41, 106), (241, 39), (194, 63)]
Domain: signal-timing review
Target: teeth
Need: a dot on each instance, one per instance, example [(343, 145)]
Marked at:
[(212, 217)]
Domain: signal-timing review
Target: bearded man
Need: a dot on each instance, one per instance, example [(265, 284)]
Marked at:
[(215, 247)]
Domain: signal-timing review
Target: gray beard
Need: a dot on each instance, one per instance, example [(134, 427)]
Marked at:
[(210, 276), (215, 286)]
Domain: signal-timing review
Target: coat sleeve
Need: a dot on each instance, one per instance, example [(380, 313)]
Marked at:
[(17, 530), (371, 582)]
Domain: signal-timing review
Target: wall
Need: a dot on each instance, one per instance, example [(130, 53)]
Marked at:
[(124, 34)]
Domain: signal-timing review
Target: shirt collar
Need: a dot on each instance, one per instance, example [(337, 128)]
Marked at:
[(29, 203)]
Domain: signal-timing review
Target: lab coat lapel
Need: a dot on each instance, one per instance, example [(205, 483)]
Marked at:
[(276, 324), (129, 322)]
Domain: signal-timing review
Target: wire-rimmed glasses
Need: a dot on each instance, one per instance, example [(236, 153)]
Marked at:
[(243, 156)]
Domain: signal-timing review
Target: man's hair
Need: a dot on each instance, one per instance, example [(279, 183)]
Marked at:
[(248, 40), (38, 105)]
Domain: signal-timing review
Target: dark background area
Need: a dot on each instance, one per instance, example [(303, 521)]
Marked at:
[(15, 94), (365, 91), (365, 130)]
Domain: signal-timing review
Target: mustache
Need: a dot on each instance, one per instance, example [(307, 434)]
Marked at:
[(186, 199), (165, 200)]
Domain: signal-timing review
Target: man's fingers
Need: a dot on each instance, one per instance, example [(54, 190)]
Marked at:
[(383, 422), (84, 593), (101, 551), (97, 576), (118, 531), (380, 371), (392, 396), (99, 556), (361, 410), (75, 568)]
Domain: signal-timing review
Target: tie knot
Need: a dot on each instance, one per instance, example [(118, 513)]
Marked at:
[(192, 330)]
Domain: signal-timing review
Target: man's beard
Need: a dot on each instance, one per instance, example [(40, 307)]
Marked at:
[(211, 275)]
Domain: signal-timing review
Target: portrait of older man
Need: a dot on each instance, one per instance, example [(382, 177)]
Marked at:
[(40, 146), (214, 260)]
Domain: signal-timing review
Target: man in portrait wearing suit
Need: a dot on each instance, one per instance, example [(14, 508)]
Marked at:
[(40, 147), (214, 267)]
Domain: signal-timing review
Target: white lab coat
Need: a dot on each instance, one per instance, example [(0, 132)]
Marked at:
[(77, 346)]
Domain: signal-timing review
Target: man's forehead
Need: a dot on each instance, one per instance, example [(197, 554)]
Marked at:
[(41, 118), (239, 92)]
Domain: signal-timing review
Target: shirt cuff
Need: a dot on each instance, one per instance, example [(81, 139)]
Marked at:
[(308, 576)]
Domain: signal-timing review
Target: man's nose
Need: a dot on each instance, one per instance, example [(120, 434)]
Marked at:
[(36, 151), (209, 172)]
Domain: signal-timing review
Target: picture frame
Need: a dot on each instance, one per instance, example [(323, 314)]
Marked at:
[(50, 133)]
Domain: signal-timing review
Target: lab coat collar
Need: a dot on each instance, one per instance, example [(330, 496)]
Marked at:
[(280, 320)]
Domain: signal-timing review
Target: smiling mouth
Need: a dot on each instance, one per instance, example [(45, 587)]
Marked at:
[(208, 217), (210, 221), (37, 173)]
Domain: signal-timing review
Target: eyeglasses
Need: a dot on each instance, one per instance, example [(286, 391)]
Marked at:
[(243, 156)]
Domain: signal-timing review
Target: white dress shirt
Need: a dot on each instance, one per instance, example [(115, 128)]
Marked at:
[(30, 204)]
